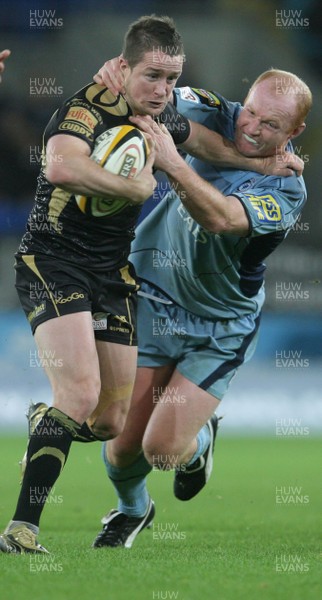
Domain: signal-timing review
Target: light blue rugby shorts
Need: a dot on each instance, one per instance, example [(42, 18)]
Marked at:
[(206, 352)]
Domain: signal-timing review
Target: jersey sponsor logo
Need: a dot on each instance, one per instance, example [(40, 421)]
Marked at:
[(73, 296), (38, 310), (267, 208), (79, 103), (99, 321), (83, 116), (186, 93), (76, 128), (210, 97), (247, 185), (122, 325), (121, 318)]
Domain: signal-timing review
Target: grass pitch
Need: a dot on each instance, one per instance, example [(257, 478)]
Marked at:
[(253, 533)]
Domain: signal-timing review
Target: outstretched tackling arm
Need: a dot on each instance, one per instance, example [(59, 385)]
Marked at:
[(212, 147), (203, 143), (205, 203)]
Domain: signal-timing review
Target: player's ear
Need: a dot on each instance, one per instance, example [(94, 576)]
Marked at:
[(124, 65), (297, 131)]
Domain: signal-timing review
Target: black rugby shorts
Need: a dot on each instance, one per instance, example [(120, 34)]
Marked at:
[(49, 288)]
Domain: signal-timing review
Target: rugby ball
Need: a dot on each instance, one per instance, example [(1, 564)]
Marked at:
[(123, 151)]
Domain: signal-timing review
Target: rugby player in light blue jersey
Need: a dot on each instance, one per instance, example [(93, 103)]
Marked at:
[(199, 255)]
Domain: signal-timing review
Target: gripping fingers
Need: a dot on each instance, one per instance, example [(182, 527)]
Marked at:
[(111, 76), (297, 164), (150, 160), (151, 143), (98, 79), (290, 164), (105, 77), (144, 123)]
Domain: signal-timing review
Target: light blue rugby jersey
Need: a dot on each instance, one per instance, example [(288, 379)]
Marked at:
[(216, 275)]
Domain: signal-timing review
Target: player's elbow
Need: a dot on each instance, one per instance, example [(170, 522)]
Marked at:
[(218, 225), (232, 219), (59, 175), (226, 225)]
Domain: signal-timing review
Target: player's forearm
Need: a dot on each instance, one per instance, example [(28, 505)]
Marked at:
[(80, 175), (207, 205), (210, 146)]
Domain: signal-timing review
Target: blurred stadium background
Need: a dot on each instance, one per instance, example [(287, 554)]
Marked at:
[(56, 48)]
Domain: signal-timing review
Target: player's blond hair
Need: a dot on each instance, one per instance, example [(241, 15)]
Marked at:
[(287, 83)]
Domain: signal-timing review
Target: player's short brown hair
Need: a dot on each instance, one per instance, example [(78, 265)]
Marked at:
[(150, 33)]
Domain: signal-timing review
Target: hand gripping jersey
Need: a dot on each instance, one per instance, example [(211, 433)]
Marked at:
[(216, 275)]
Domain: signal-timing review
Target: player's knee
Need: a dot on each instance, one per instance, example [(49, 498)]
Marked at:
[(107, 431), (123, 454), (110, 423), (78, 398), (88, 395), (161, 456)]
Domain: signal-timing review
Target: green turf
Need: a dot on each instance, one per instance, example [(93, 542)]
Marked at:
[(233, 542)]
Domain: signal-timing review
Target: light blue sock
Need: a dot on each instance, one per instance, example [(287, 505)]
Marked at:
[(130, 485), (203, 441)]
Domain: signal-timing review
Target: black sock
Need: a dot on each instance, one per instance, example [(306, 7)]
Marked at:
[(47, 453), (86, 435)]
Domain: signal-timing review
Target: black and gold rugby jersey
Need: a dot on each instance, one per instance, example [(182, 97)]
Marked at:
[(56, 226)]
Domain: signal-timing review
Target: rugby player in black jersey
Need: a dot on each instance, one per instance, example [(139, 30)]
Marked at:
[(73, 277)]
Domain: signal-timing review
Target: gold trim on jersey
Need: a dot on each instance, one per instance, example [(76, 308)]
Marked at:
[(127, 278), (58, 200), (29, 260), (100, 96), (130, 321)]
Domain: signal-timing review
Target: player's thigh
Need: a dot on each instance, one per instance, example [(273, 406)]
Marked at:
[(117, 366), (148, 383), (67, 351), (180, 413)]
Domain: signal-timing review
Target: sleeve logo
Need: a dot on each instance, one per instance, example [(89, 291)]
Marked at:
[(79, 120), (186, 93), (207, 97), (266, 207)]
